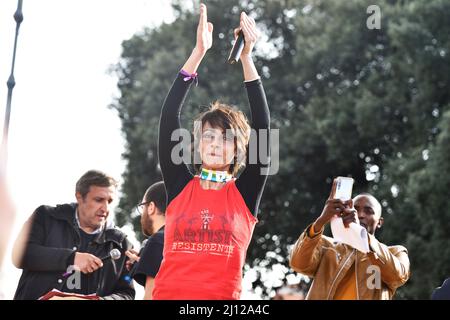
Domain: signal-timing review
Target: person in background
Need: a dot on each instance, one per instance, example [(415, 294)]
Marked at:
[(148, 260), (442, 292), (341, 272), (70, 237), (7, 216)]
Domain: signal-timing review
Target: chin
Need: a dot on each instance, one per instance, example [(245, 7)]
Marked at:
[(217, 167), (367, 229), (213, 162)]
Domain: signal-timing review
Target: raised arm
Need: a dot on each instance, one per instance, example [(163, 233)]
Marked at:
[(175, 173), (252, 181), (203, 43), (251, 35)]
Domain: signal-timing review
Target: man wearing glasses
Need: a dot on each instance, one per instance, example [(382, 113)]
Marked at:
[(152, 210)]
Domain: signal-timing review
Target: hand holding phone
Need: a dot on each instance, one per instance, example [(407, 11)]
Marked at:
[(338, 203), (344, 188)]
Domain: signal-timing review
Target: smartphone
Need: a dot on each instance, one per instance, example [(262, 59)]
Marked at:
[(344, 187)]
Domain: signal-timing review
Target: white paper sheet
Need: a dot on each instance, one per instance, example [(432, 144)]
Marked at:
[(355, 235)]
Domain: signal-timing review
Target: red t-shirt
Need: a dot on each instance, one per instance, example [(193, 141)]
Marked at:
[(206, 237)]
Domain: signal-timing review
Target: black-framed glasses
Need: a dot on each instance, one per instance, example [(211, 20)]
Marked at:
[(140, 206)]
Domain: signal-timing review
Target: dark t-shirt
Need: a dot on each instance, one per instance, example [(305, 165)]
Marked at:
[(150, 258), (85, 240), (443, 292)]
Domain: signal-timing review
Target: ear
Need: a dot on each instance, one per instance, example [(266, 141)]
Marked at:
[(79, 197), (151, 208), (380, 223)]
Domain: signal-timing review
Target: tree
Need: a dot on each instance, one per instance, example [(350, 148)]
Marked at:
[(348, 100)]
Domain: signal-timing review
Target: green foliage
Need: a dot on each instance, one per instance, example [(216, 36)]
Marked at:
[(371, 104)]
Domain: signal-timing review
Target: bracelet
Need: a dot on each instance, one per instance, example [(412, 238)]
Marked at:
[(188, 76)]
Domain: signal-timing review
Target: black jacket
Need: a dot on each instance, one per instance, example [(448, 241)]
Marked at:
[(443, 292), (54, 238)]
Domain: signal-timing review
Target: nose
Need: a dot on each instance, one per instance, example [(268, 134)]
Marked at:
[(216, 144), (105, 207), (361, 214), (213, 143), (217, 140)]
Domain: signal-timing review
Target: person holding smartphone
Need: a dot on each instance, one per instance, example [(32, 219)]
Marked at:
[(341, 272)]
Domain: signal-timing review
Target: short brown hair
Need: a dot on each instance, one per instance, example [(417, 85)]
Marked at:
[(157, 193), (224, 116), (94, 178)]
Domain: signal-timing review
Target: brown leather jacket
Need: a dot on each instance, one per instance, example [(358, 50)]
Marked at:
[(327, 261)]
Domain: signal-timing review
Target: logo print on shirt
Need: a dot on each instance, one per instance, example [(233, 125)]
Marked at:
[(206, 218), (199, 235)]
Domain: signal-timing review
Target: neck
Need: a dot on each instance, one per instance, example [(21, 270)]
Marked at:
[(157, 224), (206, 184), (215, 175), (85, 227)]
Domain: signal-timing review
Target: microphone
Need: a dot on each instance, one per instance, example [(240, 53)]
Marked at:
[(114, 254), (237, 48)]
